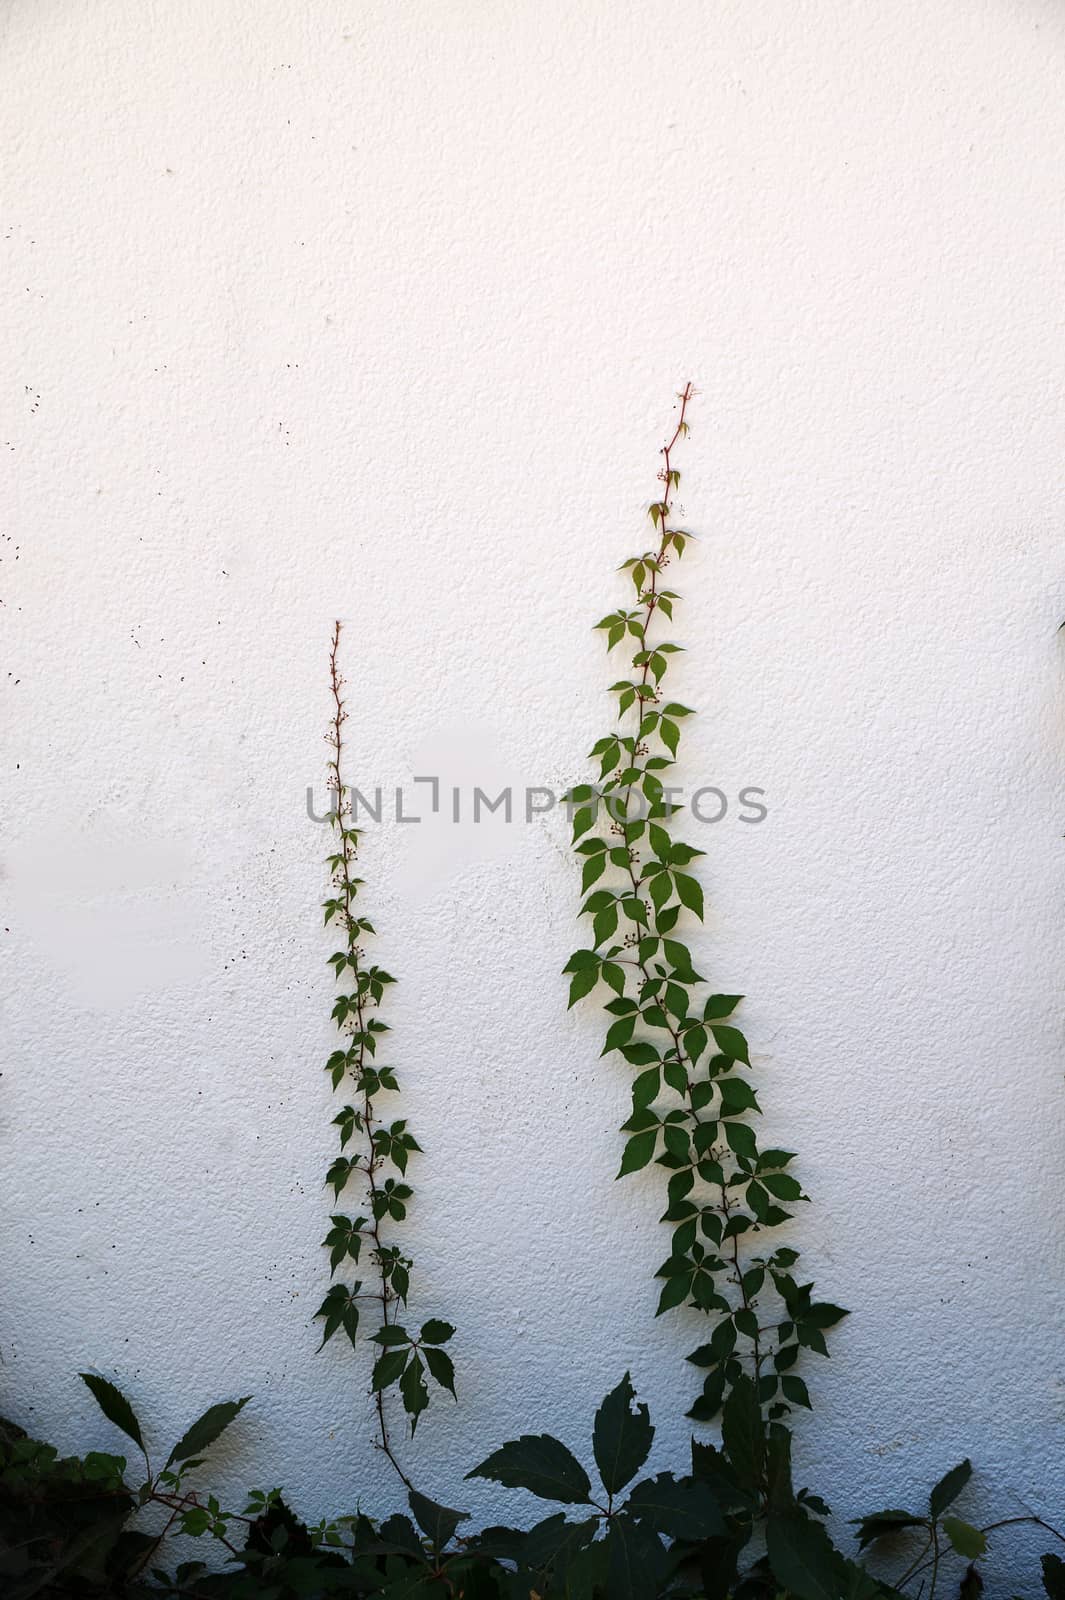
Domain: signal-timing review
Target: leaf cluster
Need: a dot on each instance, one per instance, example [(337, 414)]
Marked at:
[(732, 1528)]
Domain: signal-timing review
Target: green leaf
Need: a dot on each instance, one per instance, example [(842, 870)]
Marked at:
[(803, 1559), (645, 1088), (441, 1366), (640, 1054), (398, 1534), (622, 1437), (114, 1405), (796, 1391), (340, 1310), (551, 1543), (679, 1508), (582, 983), (613, 975), (731, 1043), (391, 1334), (438, 1523), (388, 1367), (949, 1487), (660, 841), (741, 1139), (636, 1561), (675, 1291), (206, 1429), (689, 892), (542, 1465), (782, 1186), (619, 1033), (972, 1585), (742, 1433), (413, 1390), (737, 1096), (436, 1332), (882, 1524), (1054, 1577), (580, 959), (638, 1151), (968, 1541), (679, 957), (720, 1005), (825, 1315)]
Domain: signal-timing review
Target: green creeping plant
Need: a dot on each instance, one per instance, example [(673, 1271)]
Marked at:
[(374, 1150), (692, 1098)]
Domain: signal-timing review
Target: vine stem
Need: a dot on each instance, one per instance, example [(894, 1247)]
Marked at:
[(923, 1563), (348, 855), (650, 605)]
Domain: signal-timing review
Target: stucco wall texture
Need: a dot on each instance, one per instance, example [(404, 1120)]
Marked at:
[(377, 311)]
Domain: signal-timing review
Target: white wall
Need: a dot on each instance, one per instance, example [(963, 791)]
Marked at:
[(377, 310)]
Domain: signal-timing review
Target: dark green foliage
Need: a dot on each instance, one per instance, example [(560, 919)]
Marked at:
[(691, 1100), (65, 1523), (621, 1441), (381, 1149), (62, 1521)]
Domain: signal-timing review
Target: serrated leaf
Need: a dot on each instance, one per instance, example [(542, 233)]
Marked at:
[(438, 1523), (720, 1005), (582, 983), (388, 1367), (635, 1561), (621, 1439), (542, 1465), (968, 1541), (645, 1088), (796, 1391), (882, 1524), (675, 1291), (436, 1332), (619, 1033), (803, 1560), (114, 1405), (825, 1315), (689, 892), (206, 1429), (440, 1366), (730, 1042), (640, 1054), (949, 1487), (638, 1151), (391, 1334), (679, 1508), (413, 1390), (742, 1433), (552, 1543)]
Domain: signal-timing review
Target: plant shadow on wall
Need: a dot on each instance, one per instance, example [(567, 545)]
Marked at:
[(730, 1525)]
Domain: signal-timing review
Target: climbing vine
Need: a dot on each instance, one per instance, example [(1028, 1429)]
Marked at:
[(374, 1151), (734, 1527), (692, 1099)]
